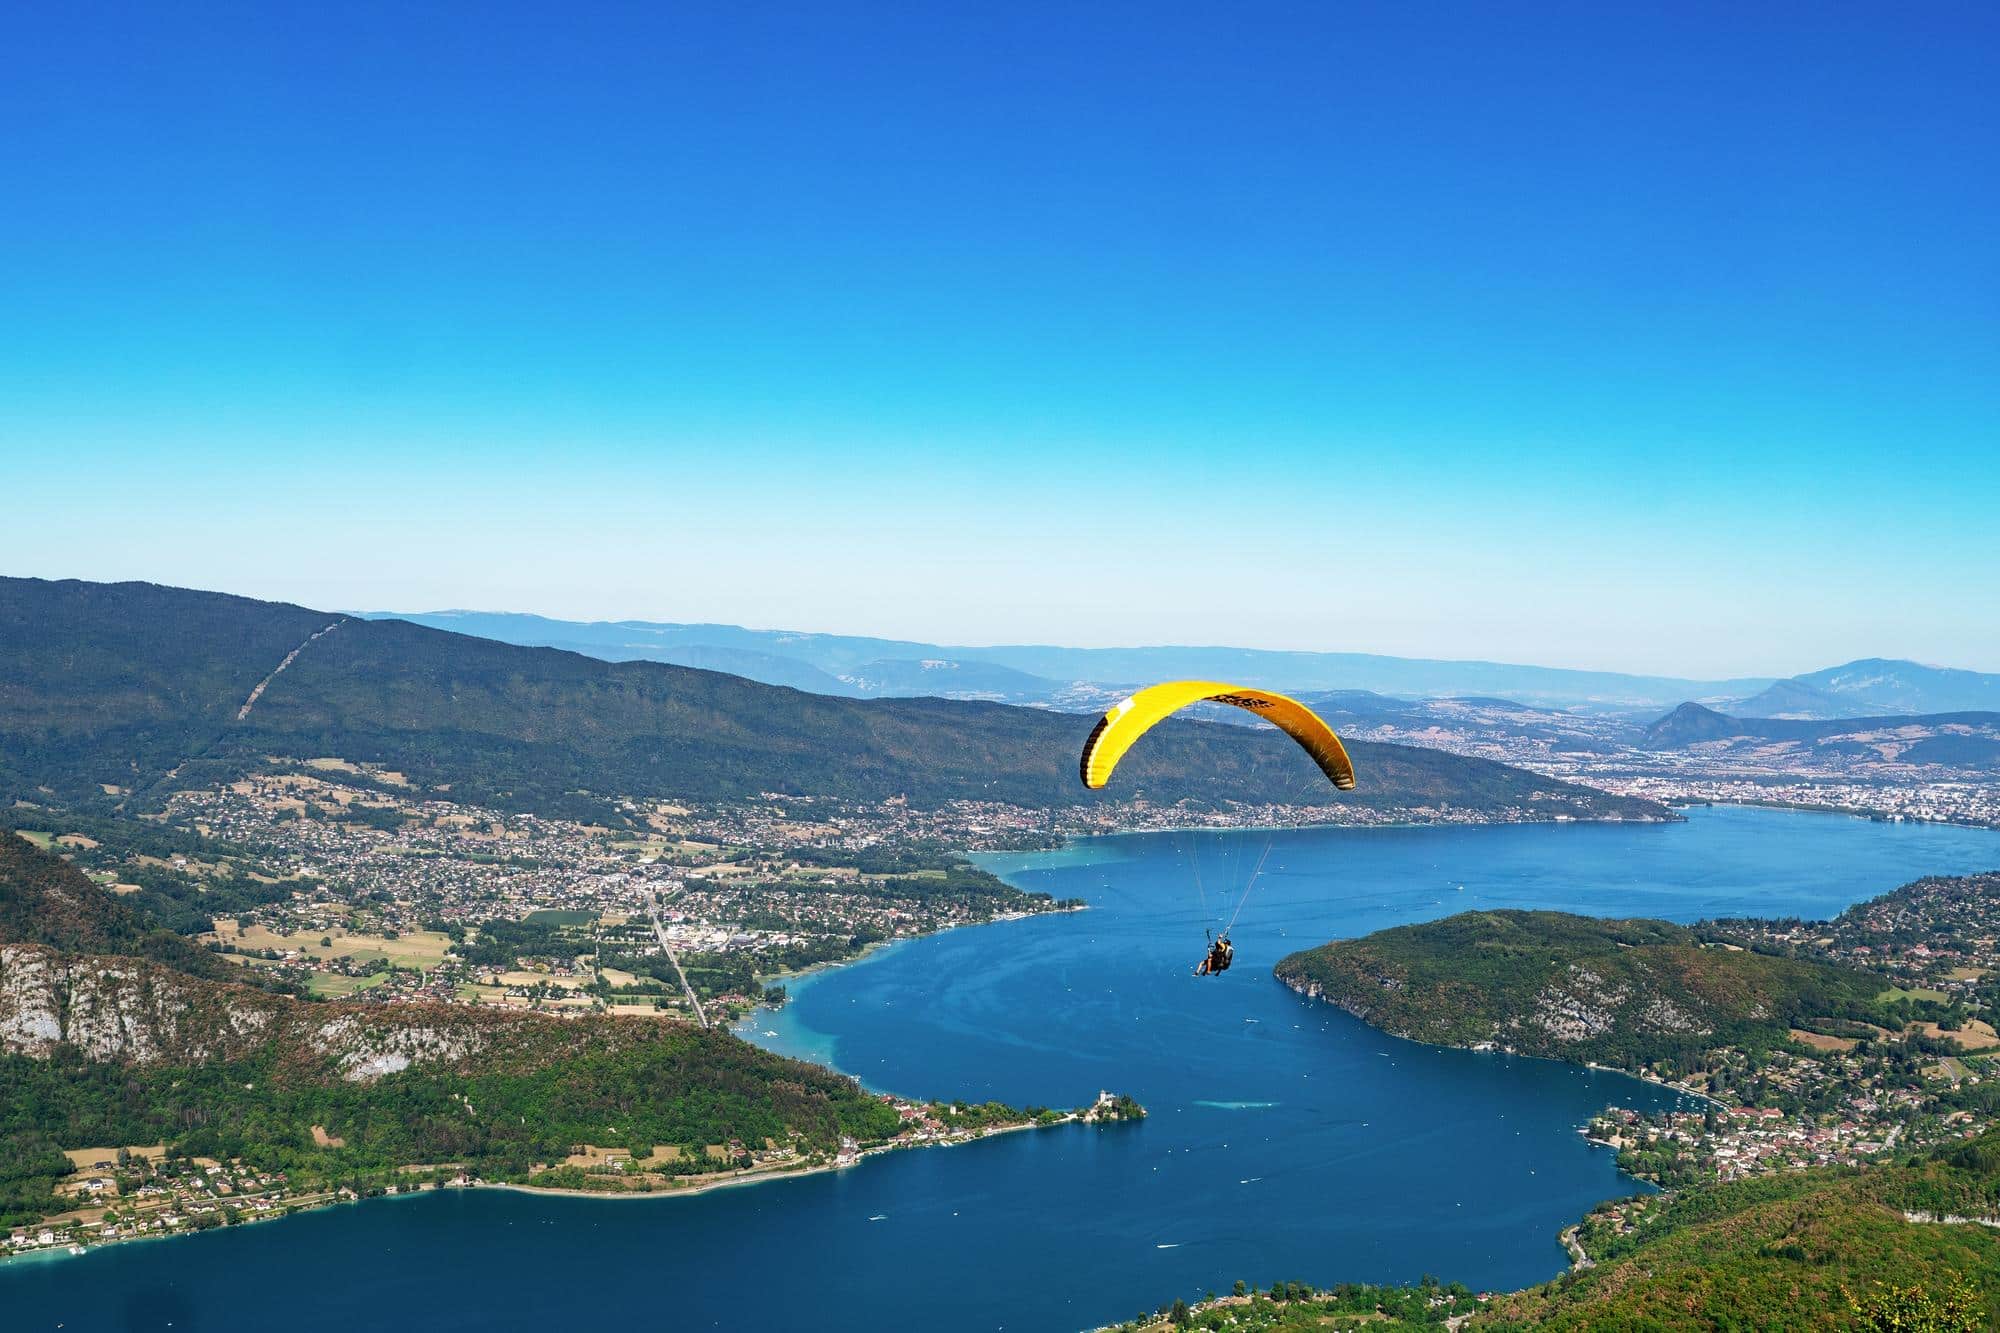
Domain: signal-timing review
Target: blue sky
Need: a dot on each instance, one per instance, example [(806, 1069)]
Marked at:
[(1654, 337)]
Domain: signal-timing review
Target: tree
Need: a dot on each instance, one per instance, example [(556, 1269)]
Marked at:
[(1954, 1307)]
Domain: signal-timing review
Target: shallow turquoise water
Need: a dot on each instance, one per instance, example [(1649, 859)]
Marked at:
[(1286, 1141)]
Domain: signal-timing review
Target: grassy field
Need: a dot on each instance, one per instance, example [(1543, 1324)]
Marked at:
[(335, 988), (1976, 1035), (420, 948), (85, 1159), (1895, 993), (555, 916), (1821, 1042)]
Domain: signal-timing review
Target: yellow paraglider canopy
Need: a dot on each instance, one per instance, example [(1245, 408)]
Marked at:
[(1135, 716)]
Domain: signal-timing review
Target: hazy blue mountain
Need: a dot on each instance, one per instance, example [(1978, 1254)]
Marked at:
[(1883, 686), (948, 678), (1793, 699), (845, 666), (1692, 723), (1968, 740), (1051, 674)]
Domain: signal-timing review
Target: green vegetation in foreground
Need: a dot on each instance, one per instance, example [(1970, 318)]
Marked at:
[(1812, 1250), (546, 1086), (1630, 993), (1819, 1250)]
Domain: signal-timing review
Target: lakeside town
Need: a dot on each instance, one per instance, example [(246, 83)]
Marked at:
[(139, 1192), (1842, 1092), (344, 882), (1888, 772)]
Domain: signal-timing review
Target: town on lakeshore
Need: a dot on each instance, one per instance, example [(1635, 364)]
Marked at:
[(261, 964)]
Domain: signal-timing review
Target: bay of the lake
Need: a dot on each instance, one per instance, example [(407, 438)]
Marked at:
[(1286, 1140)]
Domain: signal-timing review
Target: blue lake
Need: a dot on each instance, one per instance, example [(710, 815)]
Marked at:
[(1287, 1141)]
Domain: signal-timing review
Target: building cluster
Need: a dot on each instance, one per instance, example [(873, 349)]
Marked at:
[(389, 889), (1959, 802), (131, 1193), (1683, 1146), (1878, 772), (1843, 1090)]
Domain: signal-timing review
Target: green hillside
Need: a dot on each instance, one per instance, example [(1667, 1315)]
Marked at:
[(113, 1034), (138, 687), (46, 901), (1815, 1250), (1548, 983)]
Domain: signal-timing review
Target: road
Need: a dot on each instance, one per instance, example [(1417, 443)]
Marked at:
[(660, 933)]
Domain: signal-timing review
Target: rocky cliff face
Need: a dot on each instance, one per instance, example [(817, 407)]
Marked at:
[(123, 1009), (126, 1010)]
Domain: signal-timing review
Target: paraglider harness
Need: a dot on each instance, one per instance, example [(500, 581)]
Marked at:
[(1221, 953)]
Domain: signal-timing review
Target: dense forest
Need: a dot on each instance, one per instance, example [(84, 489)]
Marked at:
[(1580, 988)]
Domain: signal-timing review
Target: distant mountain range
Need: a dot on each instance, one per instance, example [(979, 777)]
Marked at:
[(1082, 678), (110, 691), (1085, 679), (1874, 687), (1967, 740)]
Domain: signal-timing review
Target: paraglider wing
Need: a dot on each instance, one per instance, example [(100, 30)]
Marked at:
[(1135, 716)]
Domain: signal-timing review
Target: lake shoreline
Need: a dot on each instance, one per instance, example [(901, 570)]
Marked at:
[(320, 1203), (1310, 991), (1447, 1164)]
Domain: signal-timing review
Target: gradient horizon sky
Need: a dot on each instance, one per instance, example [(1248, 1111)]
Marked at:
[(1661, 338)]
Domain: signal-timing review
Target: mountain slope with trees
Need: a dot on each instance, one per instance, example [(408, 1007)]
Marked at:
[(1578, 988), (137, 688), (1816, 1250), (108, 1038)]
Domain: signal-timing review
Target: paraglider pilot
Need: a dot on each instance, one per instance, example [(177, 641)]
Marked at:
[(1220, 954)]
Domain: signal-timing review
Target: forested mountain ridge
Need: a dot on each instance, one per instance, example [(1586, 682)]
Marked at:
[(1578, 988), (135, 687)]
